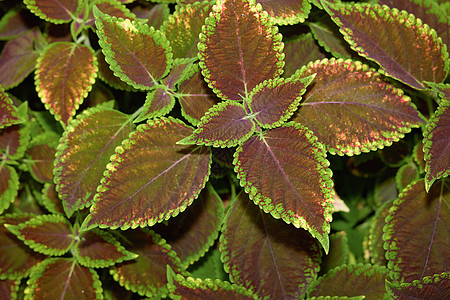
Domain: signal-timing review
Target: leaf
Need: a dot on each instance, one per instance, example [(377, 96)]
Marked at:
[(99, 249), (158, 103), (404, 47), (300, 50), (16, 259), (156, 15), (224, 125), (193, 232), (12, 24), (339, 252), (274, 101), (351, 110), (259, 252), (351, 280), (41, 162), (55, 11), (406, 174), (150, 178), (286, 173), (430, 287), (8, 112), (107, 75), (63, 278), (64, 76), (50, 199), (137, 54), (112, 8), (14, 141), (417, 232), (437, 144), (9, 186), (286, 12), (147, 275), (209, 266), (46, 234), (9, 288), (84, 152), (191, 288), (184, 26), (229, 64), (19, 58), (375, 242)]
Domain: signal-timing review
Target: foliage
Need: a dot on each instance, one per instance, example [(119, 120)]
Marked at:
[(228, 149)]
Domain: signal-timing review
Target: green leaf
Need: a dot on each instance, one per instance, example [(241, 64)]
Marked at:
[(239, 48), (191, 288), (55, 11), (18, 58), (268, 256), (184, 26), (275, 100), (64, 77), (9, 186), (404, 47), (286, 12), (8, 111), (351, 110), (286, 173), (150, 178), (437, 144), (46, 234), (99, 249), (63, 278), (147, 274), (430, 287), (84, 152), (194, 231), (351, 280), (417, 232), (137, 54), (224, 125)]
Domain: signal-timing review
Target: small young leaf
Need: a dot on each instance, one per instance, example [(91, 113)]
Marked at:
[(417, 232), (437, 144), (150, 178), (157, 104), (14, 141), (268, 256), (404, 47), (286, 173), (239, 48), (55, 11), (8, 112), (84, 152), (274, 101), (65, 75), (224, 125), (9, 186), (430, 287), (286, 12), (63, 278), (138, 54), (352, 280), (46, 234), (351, 110)]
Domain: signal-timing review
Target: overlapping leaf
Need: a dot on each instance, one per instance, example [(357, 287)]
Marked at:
[(12, 24), (339, 252), (224, 125), (50, 199), (110, 7), (157, 15), (158, 103), (417, 232), (406, 175), (150, 178), (55, 11), (430, 287), (107, 75), (138, 54), (286, 173), (258, 251), (63, 278), (239, 48), (65, 74), (84, 152), (437, 144), (351, 110), (403, 46), (9, 186), (286, 12), (14, 141), (46, 234), (42, 156)]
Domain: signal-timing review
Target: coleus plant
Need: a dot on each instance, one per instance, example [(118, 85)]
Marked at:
[(223, 181)]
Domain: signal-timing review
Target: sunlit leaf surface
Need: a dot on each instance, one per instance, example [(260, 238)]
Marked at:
[(273, 258)]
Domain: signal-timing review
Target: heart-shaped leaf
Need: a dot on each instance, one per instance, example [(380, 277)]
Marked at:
[(351, 110), (239, 48), (403, 46), (291, 160), (84, 152), (286, 12), (437, 144), (224, 125), (64, 76), (55, 11), (8, 112), (63, 278), (417, 232), (266, 255), (138, 54), (352, 280), (147, 274), (9, 186), (99, 249), (430, 287), (150, 178), (46, 234), (274, 101)]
